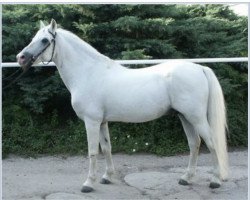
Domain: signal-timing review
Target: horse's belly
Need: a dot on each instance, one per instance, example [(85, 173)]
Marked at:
[(135, 117), (138, 105)]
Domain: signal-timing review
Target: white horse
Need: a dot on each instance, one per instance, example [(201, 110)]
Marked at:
[(103, 90)]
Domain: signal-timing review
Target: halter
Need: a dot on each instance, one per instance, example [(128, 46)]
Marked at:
[(33, 59), (54, 44)]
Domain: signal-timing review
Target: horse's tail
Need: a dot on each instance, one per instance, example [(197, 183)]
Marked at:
[(216, 114)]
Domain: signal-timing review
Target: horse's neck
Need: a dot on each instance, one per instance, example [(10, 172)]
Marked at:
[(77, 61)]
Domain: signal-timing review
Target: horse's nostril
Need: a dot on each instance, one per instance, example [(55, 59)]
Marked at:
[(22, 56)]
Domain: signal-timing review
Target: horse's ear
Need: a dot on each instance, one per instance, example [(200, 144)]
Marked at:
[(42, 25), (53, 26)]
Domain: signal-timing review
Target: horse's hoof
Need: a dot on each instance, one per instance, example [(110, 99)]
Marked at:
[(183, 182), (86, 189), (214, 185), (105, 181)]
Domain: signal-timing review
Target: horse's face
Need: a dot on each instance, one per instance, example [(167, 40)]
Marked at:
[(41, 47)]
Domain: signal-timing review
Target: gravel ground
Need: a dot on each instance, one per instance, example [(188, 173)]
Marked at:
[(138, 176)]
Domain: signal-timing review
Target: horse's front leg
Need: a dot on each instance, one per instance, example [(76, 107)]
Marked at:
[(106, 149), (93, 132)]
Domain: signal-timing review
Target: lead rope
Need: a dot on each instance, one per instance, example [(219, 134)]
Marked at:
[(8, 77), (16, 79)]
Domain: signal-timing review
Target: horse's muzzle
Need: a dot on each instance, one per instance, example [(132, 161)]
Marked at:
[(25, 60)]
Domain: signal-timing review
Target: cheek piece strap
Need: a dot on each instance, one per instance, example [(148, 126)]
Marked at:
[(54, 44)]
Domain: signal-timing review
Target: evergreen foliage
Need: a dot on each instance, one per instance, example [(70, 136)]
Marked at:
[(37, 115)]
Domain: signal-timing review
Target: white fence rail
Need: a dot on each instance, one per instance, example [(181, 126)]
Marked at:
[(153, 61)]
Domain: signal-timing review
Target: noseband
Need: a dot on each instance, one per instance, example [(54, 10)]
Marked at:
[(54, 44)]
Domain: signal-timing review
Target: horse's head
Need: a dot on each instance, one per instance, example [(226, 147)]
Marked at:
[(41, 48)]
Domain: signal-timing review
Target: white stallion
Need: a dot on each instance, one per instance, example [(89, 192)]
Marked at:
[(103, 90)]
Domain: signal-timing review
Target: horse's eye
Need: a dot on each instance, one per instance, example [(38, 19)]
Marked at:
[(45, 40)]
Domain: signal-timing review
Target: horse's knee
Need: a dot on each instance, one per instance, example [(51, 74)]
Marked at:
[(106, 150), (93, 153)]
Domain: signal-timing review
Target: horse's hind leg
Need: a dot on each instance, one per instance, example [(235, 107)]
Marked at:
[(194, 144), (204, 130), (106, 149)]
